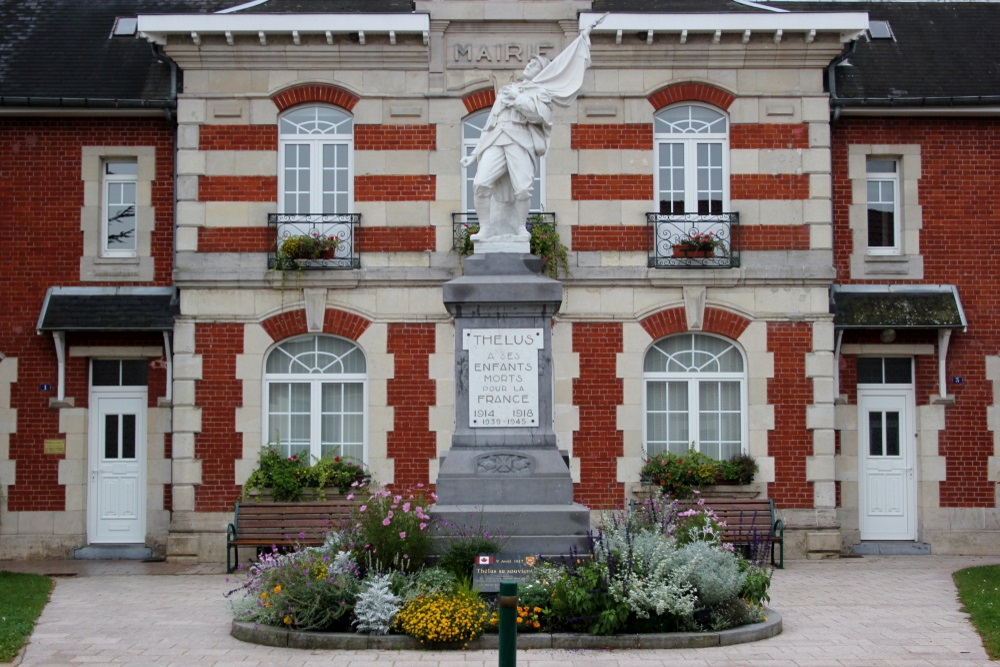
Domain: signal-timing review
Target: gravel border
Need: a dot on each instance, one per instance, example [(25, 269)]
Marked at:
[(271, 636)]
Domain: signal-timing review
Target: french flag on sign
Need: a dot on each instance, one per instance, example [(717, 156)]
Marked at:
[(485, 560)]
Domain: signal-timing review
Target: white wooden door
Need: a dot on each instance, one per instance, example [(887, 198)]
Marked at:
[(886, 443), (117, 490)]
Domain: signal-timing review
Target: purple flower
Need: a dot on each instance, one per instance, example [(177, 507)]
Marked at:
[(302, 536)]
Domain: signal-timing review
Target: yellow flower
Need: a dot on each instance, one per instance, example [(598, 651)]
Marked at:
[(277, 589), (263, 596), (287, 620)]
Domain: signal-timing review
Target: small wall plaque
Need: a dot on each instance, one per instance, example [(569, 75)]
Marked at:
[(55, 446)]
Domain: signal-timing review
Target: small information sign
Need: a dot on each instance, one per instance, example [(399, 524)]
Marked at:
[(491, 569), (54, 446), (503, 377)]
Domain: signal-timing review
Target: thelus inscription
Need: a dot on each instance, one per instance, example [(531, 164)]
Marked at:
[(503, 377)]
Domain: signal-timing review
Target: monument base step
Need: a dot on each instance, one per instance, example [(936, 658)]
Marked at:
[(547, 530)]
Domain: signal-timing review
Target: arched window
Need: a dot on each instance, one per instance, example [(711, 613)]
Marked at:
[(692, 160), (315, 395), (316, 162), (472, 128), (695, 396)]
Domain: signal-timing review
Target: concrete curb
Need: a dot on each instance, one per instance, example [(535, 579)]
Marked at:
[(278, 637)]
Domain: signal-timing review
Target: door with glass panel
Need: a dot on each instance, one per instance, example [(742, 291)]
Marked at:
[(886, 452), (116, 490)]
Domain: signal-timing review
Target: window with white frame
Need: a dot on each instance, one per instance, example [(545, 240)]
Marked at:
[(315, 396), (472, 129), (119, 179), (692, 160), (316, 161), (883, 206), (695, 396)]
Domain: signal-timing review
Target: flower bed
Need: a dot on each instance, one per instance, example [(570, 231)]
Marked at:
[(658, 568)]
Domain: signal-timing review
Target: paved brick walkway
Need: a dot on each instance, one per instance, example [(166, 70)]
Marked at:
[(878, 610)]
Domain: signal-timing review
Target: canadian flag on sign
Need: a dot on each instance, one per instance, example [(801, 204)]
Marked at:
[(484, 560)]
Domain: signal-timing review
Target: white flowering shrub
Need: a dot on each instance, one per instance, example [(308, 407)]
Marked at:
[(715, 572), (376, 606)]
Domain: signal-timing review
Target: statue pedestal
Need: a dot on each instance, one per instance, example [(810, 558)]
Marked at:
[(504, 471)]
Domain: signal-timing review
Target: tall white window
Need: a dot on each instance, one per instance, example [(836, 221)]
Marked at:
[(695, 396), (883, 206), (692, 160), (315, 391), (316, 161), (118, 230), (472, 128)]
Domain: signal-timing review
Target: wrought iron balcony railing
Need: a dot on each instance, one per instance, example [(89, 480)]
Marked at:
[(307, 241), (694, 240), (462, 223)]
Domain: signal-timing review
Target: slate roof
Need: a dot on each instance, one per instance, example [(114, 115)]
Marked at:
[(101, 309), (943, 54), (678, 6), (59, 53)]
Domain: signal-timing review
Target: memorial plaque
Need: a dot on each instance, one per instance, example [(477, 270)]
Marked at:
[(491, 569), (503, 377)]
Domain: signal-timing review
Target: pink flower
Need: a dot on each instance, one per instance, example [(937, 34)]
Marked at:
[(406, 507), (350, 496), (363, 508), (402, 535), (421, 485), (386, 521), (422, 526), (397, 499), (390, 515)]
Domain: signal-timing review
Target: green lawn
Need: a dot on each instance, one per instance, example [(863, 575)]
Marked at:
[(979, 591), (22, 598)]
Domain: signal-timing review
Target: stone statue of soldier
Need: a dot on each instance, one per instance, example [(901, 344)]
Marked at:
[(516, 135)]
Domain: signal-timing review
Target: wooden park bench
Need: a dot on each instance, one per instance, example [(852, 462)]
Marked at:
[(264, 525), (750, 523)]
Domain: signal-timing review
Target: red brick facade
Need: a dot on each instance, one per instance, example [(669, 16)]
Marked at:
[(411, 444), (42, 194), (395, 137), (764, 136), (392, 187), (611, 187), (313, 93), (621, 238), (219, 392), (769, 186), (597, 393), (790, 392), (960, 161), (691, 92), (395, 239), (635, 136)]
